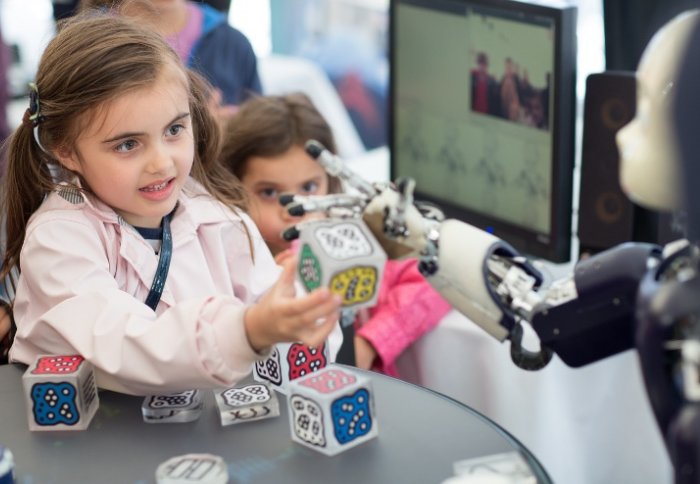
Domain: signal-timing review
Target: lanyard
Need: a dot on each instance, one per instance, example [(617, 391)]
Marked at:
[(166, 252)]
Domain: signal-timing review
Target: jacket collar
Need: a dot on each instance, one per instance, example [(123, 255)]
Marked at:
[(195, 206)]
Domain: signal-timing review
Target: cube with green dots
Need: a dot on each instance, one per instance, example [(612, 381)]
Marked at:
[(343, 255)]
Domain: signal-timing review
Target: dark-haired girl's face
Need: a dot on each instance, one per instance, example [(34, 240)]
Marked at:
[(266, 178), (138, 155)]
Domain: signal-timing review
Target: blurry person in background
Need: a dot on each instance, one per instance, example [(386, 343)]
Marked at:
[(204, 40)]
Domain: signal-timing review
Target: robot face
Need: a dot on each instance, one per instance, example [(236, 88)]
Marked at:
[(649, 161)]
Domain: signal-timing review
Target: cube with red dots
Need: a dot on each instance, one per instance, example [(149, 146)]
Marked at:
[(60, 392), (289, 361), (332, 410)]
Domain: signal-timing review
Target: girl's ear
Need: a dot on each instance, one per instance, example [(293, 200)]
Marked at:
[(68, 158)]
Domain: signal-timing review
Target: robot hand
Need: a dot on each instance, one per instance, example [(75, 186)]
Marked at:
[(583, 318)]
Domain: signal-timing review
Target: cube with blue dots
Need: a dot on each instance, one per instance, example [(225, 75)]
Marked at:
[(60, 392), (332, 410)]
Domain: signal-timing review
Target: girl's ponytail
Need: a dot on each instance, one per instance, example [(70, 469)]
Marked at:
[(26, 182)]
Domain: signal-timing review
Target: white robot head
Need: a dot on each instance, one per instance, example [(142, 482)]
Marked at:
[(649, 163)]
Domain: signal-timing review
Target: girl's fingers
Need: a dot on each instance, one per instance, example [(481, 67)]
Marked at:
[(303, 304), (322, 310), (283, 256), (285, 280), (321, 331), (288, 265), (306, 315)]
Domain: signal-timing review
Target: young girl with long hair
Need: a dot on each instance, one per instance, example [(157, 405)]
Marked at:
[(130, 237)]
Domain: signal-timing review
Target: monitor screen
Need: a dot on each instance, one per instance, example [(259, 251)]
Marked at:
[(482, 115)]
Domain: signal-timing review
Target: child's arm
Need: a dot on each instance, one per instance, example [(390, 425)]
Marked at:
[(281, 316), (281, 257), (408, 307), (365, 354), (4, 323), (5, 337), (69, 301)]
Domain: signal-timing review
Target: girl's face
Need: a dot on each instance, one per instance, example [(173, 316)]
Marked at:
[(267, 178), (138, 153)]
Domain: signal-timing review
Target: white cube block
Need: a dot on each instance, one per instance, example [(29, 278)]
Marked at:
[(246, 403), (289, 361), (343, 255), (60, 392), (180, 407), (332, 410)]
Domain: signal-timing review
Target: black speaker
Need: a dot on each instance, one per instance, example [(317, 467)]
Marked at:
[(606, 217)]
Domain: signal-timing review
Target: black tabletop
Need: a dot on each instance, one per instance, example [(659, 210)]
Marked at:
[(421, 434)]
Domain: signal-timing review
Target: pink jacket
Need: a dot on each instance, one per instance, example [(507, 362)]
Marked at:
[(407, 308), (86, 274)]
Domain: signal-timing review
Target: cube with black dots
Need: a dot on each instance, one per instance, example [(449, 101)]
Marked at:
[(332, 410), (246, 403), (344, 256), (289, 361), (60, 392)]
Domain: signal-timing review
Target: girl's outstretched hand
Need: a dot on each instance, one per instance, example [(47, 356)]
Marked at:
[(281, 316), (284, 255)]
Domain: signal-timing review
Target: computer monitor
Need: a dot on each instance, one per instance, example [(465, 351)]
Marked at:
[(482, 115)]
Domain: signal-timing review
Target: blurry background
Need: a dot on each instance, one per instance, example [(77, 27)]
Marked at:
[(347, 39)]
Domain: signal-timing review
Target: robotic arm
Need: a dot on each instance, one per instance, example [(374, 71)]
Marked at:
[(634, 295), (583, 318)]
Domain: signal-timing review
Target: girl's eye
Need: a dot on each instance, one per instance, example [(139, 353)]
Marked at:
[(126, 146), (310, 187), (268, 194), (175, 129)]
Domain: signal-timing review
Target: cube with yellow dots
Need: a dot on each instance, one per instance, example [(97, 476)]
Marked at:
[(343, 255)]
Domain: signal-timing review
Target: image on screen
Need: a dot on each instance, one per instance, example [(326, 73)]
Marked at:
[(473, 118)]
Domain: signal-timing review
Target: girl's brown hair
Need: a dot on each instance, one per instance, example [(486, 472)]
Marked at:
[(94, 59), (268, 126)]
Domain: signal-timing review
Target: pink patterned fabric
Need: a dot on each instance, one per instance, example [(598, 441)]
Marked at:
[(407, 308), (184, 41)]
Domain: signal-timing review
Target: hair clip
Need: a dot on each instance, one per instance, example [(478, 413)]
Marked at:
[(35, 116)]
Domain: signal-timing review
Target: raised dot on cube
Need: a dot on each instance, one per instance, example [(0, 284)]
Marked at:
[(344, 256), (60, 392), (332, 410), (180, 407), (289, 361), (246, 403)]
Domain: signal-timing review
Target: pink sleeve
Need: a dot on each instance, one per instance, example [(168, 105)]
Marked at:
[(407, 308), (68, 302)]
